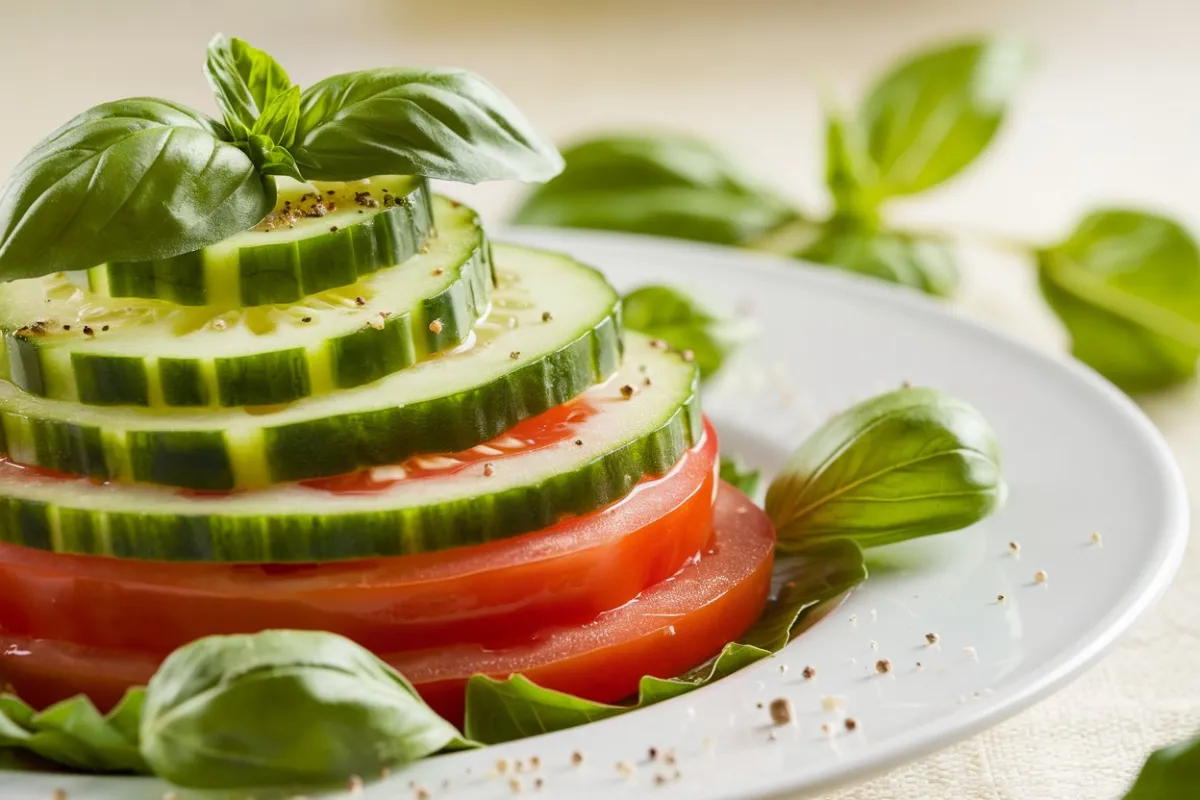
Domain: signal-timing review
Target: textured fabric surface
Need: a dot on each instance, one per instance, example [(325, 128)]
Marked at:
[(1109, 116)]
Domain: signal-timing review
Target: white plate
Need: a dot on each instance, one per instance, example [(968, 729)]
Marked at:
[(1078, 457)]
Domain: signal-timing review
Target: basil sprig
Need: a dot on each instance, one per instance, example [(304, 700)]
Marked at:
[(144, 179), (920, 125)]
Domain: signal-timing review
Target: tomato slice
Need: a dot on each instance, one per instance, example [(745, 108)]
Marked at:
[(669, 628), (493, 594)]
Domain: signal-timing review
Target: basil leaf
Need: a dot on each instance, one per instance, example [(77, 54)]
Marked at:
[(271, 159), (131, 180), (735, 473), (1126, 285), (74, 734), (684, 324), (1170, 773), (808, 575), (245, 81), (663, 184), (908, 463), (504, 710), (279, 119), (846, 243), (933, 115), (283, 708), (446, 124)]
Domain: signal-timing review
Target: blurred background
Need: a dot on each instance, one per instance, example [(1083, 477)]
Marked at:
[(1110, 114)]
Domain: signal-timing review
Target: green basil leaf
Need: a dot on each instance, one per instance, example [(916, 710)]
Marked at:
[(245, 81), (669, 314), (283, 708), (504, 710), (934, 114), (737, 474), (663, 184), (908, 463), (131, 180), (271, 159), (446, 124), (1126, 285), (803, 578), (74, 734), (279, 119), (918, 263), (1171, 773)]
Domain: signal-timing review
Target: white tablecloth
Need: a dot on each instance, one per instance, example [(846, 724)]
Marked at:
[(1111, 115)]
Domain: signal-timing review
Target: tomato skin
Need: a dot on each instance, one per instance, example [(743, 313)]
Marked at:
[(495, 594), (671, 627), (668, 629)]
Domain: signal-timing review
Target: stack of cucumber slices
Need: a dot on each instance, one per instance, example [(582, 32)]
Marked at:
[(359, 416)]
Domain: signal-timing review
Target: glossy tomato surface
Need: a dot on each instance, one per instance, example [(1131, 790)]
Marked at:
[(670, 627), (494, 594)]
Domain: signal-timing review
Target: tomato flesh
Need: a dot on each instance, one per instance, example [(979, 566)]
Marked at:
[(495, 594), (670, 627)]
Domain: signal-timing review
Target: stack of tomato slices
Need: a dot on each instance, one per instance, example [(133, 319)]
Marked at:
[(652, 584)]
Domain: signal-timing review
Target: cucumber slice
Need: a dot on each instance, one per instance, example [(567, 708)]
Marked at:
[(552, 333), (66, 343), (626, 440), (320, 236)]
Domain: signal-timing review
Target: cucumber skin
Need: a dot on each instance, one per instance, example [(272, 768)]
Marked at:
[(280, 376), (285, 538), (284, 272), (326, 446)]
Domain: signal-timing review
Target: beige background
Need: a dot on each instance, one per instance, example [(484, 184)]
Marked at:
[(1112, 115)]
